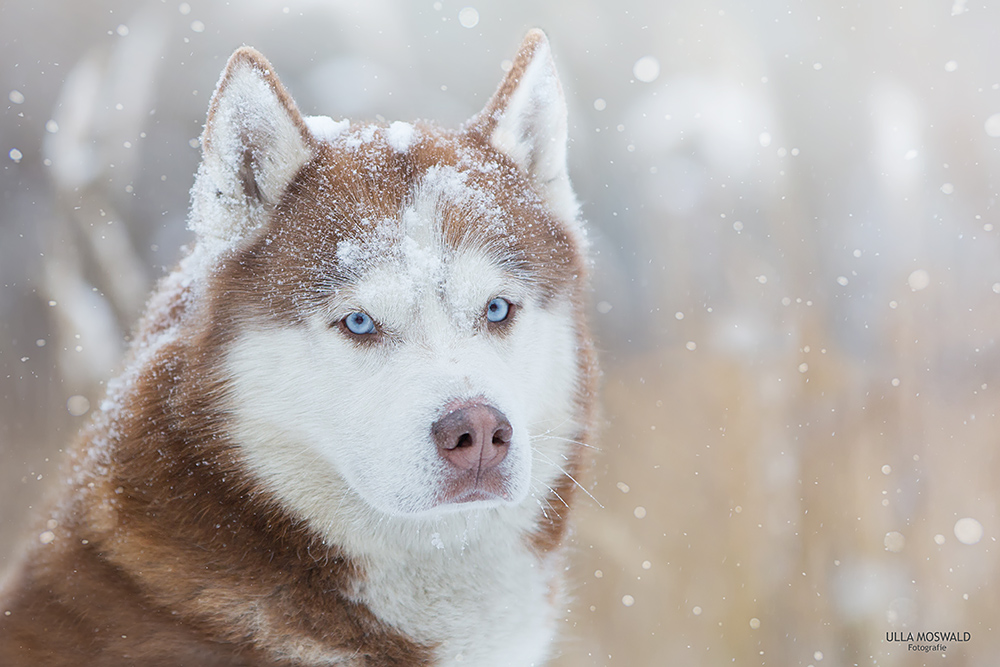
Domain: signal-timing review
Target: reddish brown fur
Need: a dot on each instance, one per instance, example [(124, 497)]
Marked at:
[(174, 548), (166, 550)]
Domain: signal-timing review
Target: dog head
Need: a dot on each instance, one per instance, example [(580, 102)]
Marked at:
[(396, 308)]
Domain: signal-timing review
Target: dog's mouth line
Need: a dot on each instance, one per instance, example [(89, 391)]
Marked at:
[(475, 494), (485, 486)]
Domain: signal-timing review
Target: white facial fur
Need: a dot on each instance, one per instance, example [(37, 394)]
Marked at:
[(327, 419)]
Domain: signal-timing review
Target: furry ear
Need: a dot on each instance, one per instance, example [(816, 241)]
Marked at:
[(254, 143), (526, 120)]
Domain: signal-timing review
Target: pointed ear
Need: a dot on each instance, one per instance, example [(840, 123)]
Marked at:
[(254, 143), (526, 120)]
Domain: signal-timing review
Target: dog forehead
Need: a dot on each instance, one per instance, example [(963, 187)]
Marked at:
[(417, 195), (420, 173)]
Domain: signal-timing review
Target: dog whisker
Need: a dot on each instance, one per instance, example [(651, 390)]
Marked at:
[(546, 459), (549, 433), (544, 496), (552, 491)]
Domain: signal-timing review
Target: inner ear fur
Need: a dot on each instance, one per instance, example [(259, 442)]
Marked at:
[(255, 142), (526, 120)]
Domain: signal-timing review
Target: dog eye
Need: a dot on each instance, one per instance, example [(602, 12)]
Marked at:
[(359, 323), (497, 310)]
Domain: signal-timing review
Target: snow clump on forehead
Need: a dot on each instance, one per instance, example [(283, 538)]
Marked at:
[(324, 128), (400, 136)]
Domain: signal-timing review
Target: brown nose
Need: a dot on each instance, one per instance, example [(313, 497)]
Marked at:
[(475, 437)]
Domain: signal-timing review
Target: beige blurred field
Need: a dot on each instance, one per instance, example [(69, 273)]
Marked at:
[(796, 284)]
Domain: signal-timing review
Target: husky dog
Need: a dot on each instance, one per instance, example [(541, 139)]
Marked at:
[(350, 422)]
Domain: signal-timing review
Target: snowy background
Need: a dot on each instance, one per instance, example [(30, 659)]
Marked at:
[(797, 290)]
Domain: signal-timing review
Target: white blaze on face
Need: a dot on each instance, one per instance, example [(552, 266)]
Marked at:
[(324, 418)]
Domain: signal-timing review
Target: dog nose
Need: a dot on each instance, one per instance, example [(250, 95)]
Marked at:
[(475, 437)]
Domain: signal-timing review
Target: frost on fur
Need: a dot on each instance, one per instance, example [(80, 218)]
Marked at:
[(254, 143), (325, 128), (526, 120)]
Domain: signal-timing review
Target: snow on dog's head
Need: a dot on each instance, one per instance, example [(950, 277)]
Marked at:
[(397, 306)]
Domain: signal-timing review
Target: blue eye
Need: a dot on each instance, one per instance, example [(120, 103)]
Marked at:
[(359, 323), (497, 310)]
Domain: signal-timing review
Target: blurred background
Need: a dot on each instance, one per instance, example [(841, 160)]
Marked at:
[(796, 284)]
